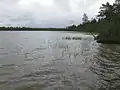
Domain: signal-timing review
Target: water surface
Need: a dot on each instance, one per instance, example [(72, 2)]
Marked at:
[(46, 61)]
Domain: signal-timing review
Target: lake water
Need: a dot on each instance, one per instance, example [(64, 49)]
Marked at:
[(48, 61)]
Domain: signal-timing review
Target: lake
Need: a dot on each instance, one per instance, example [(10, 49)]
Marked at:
[(47, 61)]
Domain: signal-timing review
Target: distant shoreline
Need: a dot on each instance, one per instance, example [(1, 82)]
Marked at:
[(33, 29)]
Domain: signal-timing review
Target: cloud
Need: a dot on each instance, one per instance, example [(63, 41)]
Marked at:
[(46, 13)]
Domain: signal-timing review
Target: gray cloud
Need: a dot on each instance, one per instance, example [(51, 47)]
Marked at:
[(46, 13), (63, 4)]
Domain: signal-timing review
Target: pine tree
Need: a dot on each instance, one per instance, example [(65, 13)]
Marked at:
[(85, 18), (106, 11)]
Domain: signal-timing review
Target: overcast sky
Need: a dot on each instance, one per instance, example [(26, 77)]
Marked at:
[(46, 13)]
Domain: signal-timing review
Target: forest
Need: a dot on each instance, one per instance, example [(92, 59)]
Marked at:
[(106, 24), (32, 29)]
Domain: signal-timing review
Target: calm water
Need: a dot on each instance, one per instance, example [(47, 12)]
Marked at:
[(46, 61)]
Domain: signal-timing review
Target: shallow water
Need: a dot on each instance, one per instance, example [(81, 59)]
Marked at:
[(47, 61)]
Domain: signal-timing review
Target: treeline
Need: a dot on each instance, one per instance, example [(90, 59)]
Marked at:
[(107, 24), (31, 29)]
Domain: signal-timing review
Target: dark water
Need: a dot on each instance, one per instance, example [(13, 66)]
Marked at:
[(46, 61)]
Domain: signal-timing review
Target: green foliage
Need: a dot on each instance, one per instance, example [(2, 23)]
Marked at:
[(73, 27), (107, 24), (32, 29), (85, 18), (106, 11)]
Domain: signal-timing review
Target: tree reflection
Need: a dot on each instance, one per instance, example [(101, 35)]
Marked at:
[(106, 65)]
